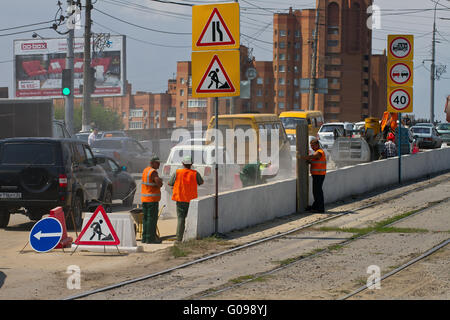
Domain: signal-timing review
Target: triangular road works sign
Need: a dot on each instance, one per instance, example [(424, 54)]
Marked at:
[(98, 231), (215, 79), (215, 32)]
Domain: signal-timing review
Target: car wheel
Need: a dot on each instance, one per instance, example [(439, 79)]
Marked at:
[(128, 202), (4, 218), (107, 201), (75, 214)]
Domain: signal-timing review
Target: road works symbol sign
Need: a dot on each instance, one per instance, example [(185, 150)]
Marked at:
[(400, 47), (98, 231), (400, 73), (215, 74), (215, 27), (400, 100), (46, 234)]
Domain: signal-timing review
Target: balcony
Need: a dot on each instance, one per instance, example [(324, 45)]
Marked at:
[(333, 98), (334, 86), (333, 74)]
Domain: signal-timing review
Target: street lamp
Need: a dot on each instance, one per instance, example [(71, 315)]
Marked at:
[(433, 65)]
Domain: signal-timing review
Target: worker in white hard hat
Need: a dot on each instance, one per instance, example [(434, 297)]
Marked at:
[(184, 182)]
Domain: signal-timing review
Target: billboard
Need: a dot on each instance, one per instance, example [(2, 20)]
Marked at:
[(39, 64)]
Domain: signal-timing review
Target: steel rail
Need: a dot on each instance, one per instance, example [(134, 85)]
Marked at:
[(247, 245), (300, 259)]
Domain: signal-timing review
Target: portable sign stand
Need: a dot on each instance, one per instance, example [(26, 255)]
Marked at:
[(98, 231), (216, 63), (400, 82)]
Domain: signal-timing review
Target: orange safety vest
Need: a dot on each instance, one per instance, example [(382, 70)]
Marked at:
[(185, 186), (150, 192), (319, 167)]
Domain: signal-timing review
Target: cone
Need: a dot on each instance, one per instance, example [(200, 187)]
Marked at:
[(65, 241)]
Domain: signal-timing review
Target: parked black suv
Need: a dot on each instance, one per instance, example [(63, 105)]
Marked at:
[(39, 174)]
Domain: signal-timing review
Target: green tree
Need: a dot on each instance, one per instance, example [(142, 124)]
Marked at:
[(103, 119)]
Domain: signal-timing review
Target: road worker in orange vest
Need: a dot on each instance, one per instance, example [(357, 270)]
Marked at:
[(318, 171), (150, 195), (184, 182)]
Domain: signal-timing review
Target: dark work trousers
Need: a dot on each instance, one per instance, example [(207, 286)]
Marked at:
[(182, 211), (150, 221), (318, 193)]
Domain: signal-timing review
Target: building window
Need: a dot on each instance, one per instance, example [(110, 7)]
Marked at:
[(281, 105), (197, 103), (182, 80), (282, 45), (181, 92), (181, 104), (135, 125), (297, 33), (281, 80), (281, 68), (282, 33), (282, 56), (136, 113), (181, 116), (332, 43), (297, 57), (296, 106), (281, 93), (259, 105), (297, 45), (296, 82), (259, 80), (259, 93)]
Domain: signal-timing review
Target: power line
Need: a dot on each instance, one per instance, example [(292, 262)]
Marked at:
[(26, 25), (140, 40), (142, 27), (26, 31)]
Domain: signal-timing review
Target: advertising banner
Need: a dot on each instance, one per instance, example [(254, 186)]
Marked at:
[(39, 64)]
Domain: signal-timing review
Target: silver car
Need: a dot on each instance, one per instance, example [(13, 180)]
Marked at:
[(444, 130), (426, 136)]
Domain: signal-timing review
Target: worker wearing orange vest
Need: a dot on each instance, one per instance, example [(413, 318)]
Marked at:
[(150, 195), (184, 182), (318, 171)]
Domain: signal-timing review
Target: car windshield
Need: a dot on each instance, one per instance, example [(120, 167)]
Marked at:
[(444, 126), (291, 123), (197, 156), (107, 144), (420, 130), (28, 153), (331, 128)]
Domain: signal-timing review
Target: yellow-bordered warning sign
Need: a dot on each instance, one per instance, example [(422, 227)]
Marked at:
[(215, 27), (400, 73), (216, 73), (400, 99)]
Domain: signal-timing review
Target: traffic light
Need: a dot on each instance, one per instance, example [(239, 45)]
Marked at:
[(91, 75), (66, 85)]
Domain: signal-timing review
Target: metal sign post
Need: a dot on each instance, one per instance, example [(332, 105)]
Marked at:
[(400, 78), (216, 64)]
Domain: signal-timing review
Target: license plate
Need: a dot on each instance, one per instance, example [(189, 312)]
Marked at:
[(10, 195)]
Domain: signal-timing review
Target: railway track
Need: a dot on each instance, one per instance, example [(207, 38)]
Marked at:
[(255, 243)]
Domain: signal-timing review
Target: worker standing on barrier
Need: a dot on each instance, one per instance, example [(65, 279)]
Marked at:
[(150, 197), (318, 171), (184, 182)]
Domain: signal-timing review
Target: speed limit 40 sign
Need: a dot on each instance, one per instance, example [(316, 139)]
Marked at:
[(400, 99)]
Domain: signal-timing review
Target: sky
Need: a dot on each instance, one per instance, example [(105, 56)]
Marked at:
[(152, 55)]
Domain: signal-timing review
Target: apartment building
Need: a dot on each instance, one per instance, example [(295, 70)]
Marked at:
[(343, 57)]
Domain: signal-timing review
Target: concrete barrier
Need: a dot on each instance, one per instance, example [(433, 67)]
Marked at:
[(253, 205)]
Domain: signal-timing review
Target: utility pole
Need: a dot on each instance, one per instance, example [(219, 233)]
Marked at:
[(433, 67), (68, 100), (86, 116), (312, 81)]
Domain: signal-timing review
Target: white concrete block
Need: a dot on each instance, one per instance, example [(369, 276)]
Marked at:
[(123, 226)]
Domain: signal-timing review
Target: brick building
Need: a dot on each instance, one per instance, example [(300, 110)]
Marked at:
[(343, 57)]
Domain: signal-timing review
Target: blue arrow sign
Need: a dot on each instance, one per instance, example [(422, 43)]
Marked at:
[(46, 234)]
